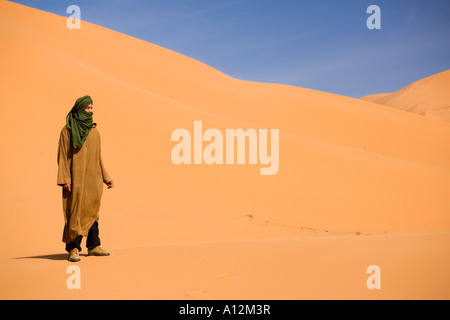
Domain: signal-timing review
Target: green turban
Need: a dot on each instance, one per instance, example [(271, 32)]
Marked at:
[(79, 121)]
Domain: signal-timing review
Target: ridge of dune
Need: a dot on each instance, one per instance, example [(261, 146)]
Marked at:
[(428, 97), (347, 167)]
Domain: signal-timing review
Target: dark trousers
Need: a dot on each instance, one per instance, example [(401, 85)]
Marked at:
[(92, 240)]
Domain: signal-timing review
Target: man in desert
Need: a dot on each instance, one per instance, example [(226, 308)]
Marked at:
[(81, 175)]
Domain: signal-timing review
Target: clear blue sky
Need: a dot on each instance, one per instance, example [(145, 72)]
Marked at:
[(318, 44)]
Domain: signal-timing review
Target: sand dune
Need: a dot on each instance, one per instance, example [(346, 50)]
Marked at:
[(428, 97), (358, 184)]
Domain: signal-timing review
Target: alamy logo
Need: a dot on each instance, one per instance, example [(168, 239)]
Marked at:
[(374, 281), (74, 21), (74, 280), (213, 152), (374, 21)]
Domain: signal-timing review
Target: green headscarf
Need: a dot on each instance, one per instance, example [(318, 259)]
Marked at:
[(79, 121)]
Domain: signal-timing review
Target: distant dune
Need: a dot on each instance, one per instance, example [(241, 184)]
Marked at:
[(358, 184), (429, 97)]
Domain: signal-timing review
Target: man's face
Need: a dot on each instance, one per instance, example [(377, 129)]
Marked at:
[(89, 108)]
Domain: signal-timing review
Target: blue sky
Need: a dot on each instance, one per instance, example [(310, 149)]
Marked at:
[(319, 44)]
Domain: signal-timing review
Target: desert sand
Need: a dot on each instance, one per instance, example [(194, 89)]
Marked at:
[(428, 97), (359, 183)]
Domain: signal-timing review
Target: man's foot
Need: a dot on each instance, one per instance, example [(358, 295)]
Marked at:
[(74, 255), (97, 251)]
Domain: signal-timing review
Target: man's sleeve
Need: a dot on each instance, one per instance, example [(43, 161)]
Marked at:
[(106, 177), (64, 159)]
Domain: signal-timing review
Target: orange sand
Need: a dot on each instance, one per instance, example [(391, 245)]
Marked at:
[(359, 183), (429, 97)]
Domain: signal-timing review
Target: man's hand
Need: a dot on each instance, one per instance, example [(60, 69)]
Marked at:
[(67, 187), (110, 184)]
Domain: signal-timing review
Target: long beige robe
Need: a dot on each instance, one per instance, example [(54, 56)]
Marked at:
[(84, 170)]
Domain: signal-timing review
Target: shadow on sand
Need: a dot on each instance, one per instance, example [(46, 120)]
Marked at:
[(58, 256)]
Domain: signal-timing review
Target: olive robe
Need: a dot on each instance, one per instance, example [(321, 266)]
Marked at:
[(84, 170)]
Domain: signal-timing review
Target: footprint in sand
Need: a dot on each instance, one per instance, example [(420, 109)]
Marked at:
[(226, 277), (201, 295)]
